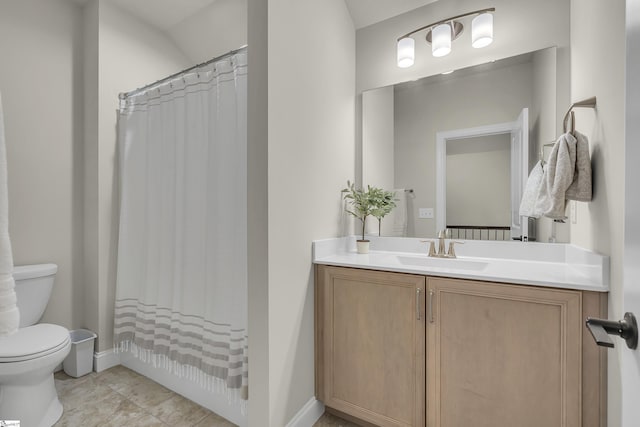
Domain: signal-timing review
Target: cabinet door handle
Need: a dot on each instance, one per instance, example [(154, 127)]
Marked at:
[(418, 292), (431, 293)]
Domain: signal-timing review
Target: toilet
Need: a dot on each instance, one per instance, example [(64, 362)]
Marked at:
[(29, 356)]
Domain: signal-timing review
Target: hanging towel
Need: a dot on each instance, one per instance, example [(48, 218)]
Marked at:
[(395, 223), (558, 176), (580, 189), (9, 315), (532, 192)]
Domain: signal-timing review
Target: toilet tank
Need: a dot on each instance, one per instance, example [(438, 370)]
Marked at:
[(33, 289)]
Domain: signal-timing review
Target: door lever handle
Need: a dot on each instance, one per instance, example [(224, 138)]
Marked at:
[(626, 329)]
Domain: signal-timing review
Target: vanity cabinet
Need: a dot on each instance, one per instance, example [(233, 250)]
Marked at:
[(370, 343), (485, 354)]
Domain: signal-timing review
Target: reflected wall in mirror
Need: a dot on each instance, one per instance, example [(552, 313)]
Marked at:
[(479, 202), (480, 185), (401, 122)]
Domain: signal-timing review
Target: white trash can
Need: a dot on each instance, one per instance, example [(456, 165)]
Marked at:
[(79, 362)]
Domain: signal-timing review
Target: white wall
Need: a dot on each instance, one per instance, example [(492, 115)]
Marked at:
[(519, 26), (91, 197), (445, 103), (257, 206), (41, 84), (130, 55), (597, 69), (310, 116), (213, 31), (631, 359)]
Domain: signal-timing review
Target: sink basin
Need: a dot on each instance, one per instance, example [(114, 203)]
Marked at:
[(451, 263)]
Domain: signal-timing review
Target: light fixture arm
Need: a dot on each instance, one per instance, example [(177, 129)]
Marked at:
[(444, 21)]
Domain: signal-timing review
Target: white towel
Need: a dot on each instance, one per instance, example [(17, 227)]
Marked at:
[(558, 176), (395, 223), (581, 188), (9, 315), (532, 192)]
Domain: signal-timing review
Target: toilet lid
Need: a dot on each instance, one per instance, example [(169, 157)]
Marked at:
[(33, 342)]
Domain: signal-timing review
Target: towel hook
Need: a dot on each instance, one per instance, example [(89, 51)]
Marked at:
[(585, 103)]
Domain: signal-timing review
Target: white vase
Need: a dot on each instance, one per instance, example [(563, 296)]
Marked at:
[(363, 246)]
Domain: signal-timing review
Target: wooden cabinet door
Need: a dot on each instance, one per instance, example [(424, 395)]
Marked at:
[(372, 333), (502, 355)]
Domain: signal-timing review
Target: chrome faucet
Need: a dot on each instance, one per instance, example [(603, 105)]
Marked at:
[(441, 253), (442, 235)]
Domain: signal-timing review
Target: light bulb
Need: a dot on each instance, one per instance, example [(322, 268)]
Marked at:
[(441, 40), (406, 52), (482, 30)]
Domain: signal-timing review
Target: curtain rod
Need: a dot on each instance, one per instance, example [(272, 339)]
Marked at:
[(125, 95)]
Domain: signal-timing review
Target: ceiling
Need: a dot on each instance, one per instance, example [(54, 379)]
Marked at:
[(367, 12), (162, 14), (165, 14)]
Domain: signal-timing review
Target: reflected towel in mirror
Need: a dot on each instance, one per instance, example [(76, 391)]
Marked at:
[(532, 192)]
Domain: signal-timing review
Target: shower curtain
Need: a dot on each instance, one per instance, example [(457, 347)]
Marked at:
[(181, 295)]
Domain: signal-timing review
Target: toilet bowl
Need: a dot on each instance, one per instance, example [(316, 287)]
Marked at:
[(29, 356)]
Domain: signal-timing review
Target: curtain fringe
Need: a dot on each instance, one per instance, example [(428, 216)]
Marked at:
[(191, 373)]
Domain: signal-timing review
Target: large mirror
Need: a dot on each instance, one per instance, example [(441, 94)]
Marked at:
[(450, 146)]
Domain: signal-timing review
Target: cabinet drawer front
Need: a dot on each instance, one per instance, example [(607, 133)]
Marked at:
[(374, 345), (503, 355)]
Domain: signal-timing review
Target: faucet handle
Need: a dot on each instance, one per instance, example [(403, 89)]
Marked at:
[(452, 253), (432, 246)]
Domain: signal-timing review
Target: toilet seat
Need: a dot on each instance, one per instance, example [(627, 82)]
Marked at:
[(33, 342)]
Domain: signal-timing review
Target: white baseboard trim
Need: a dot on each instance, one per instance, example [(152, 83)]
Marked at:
[(104, 360), (308, 414)]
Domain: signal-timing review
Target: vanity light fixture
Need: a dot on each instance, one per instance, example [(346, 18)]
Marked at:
[(440, 35)]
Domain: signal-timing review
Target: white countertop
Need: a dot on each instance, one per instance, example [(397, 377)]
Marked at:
[(554, 265)]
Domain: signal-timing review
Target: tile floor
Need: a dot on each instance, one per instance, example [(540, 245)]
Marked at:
[(121, 397)]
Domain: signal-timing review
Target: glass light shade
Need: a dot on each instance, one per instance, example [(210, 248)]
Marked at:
[(441, 40), (406, 52), (482, 30)]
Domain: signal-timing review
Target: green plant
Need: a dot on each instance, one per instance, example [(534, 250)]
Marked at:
[(360, 202), (382, 204)]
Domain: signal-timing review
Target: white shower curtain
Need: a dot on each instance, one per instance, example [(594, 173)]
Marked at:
[(181, 298)]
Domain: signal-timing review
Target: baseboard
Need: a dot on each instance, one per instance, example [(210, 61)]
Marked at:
[(308, 414), (103, 360)]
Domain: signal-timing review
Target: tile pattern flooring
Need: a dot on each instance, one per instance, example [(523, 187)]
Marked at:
[(121, 397)]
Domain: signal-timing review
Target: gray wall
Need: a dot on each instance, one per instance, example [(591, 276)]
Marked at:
[(479, 181), (519, 26), (41, 80)]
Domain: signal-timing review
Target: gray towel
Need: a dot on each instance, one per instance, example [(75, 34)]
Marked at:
[(558, 176), (532, 192), (580, 188)]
